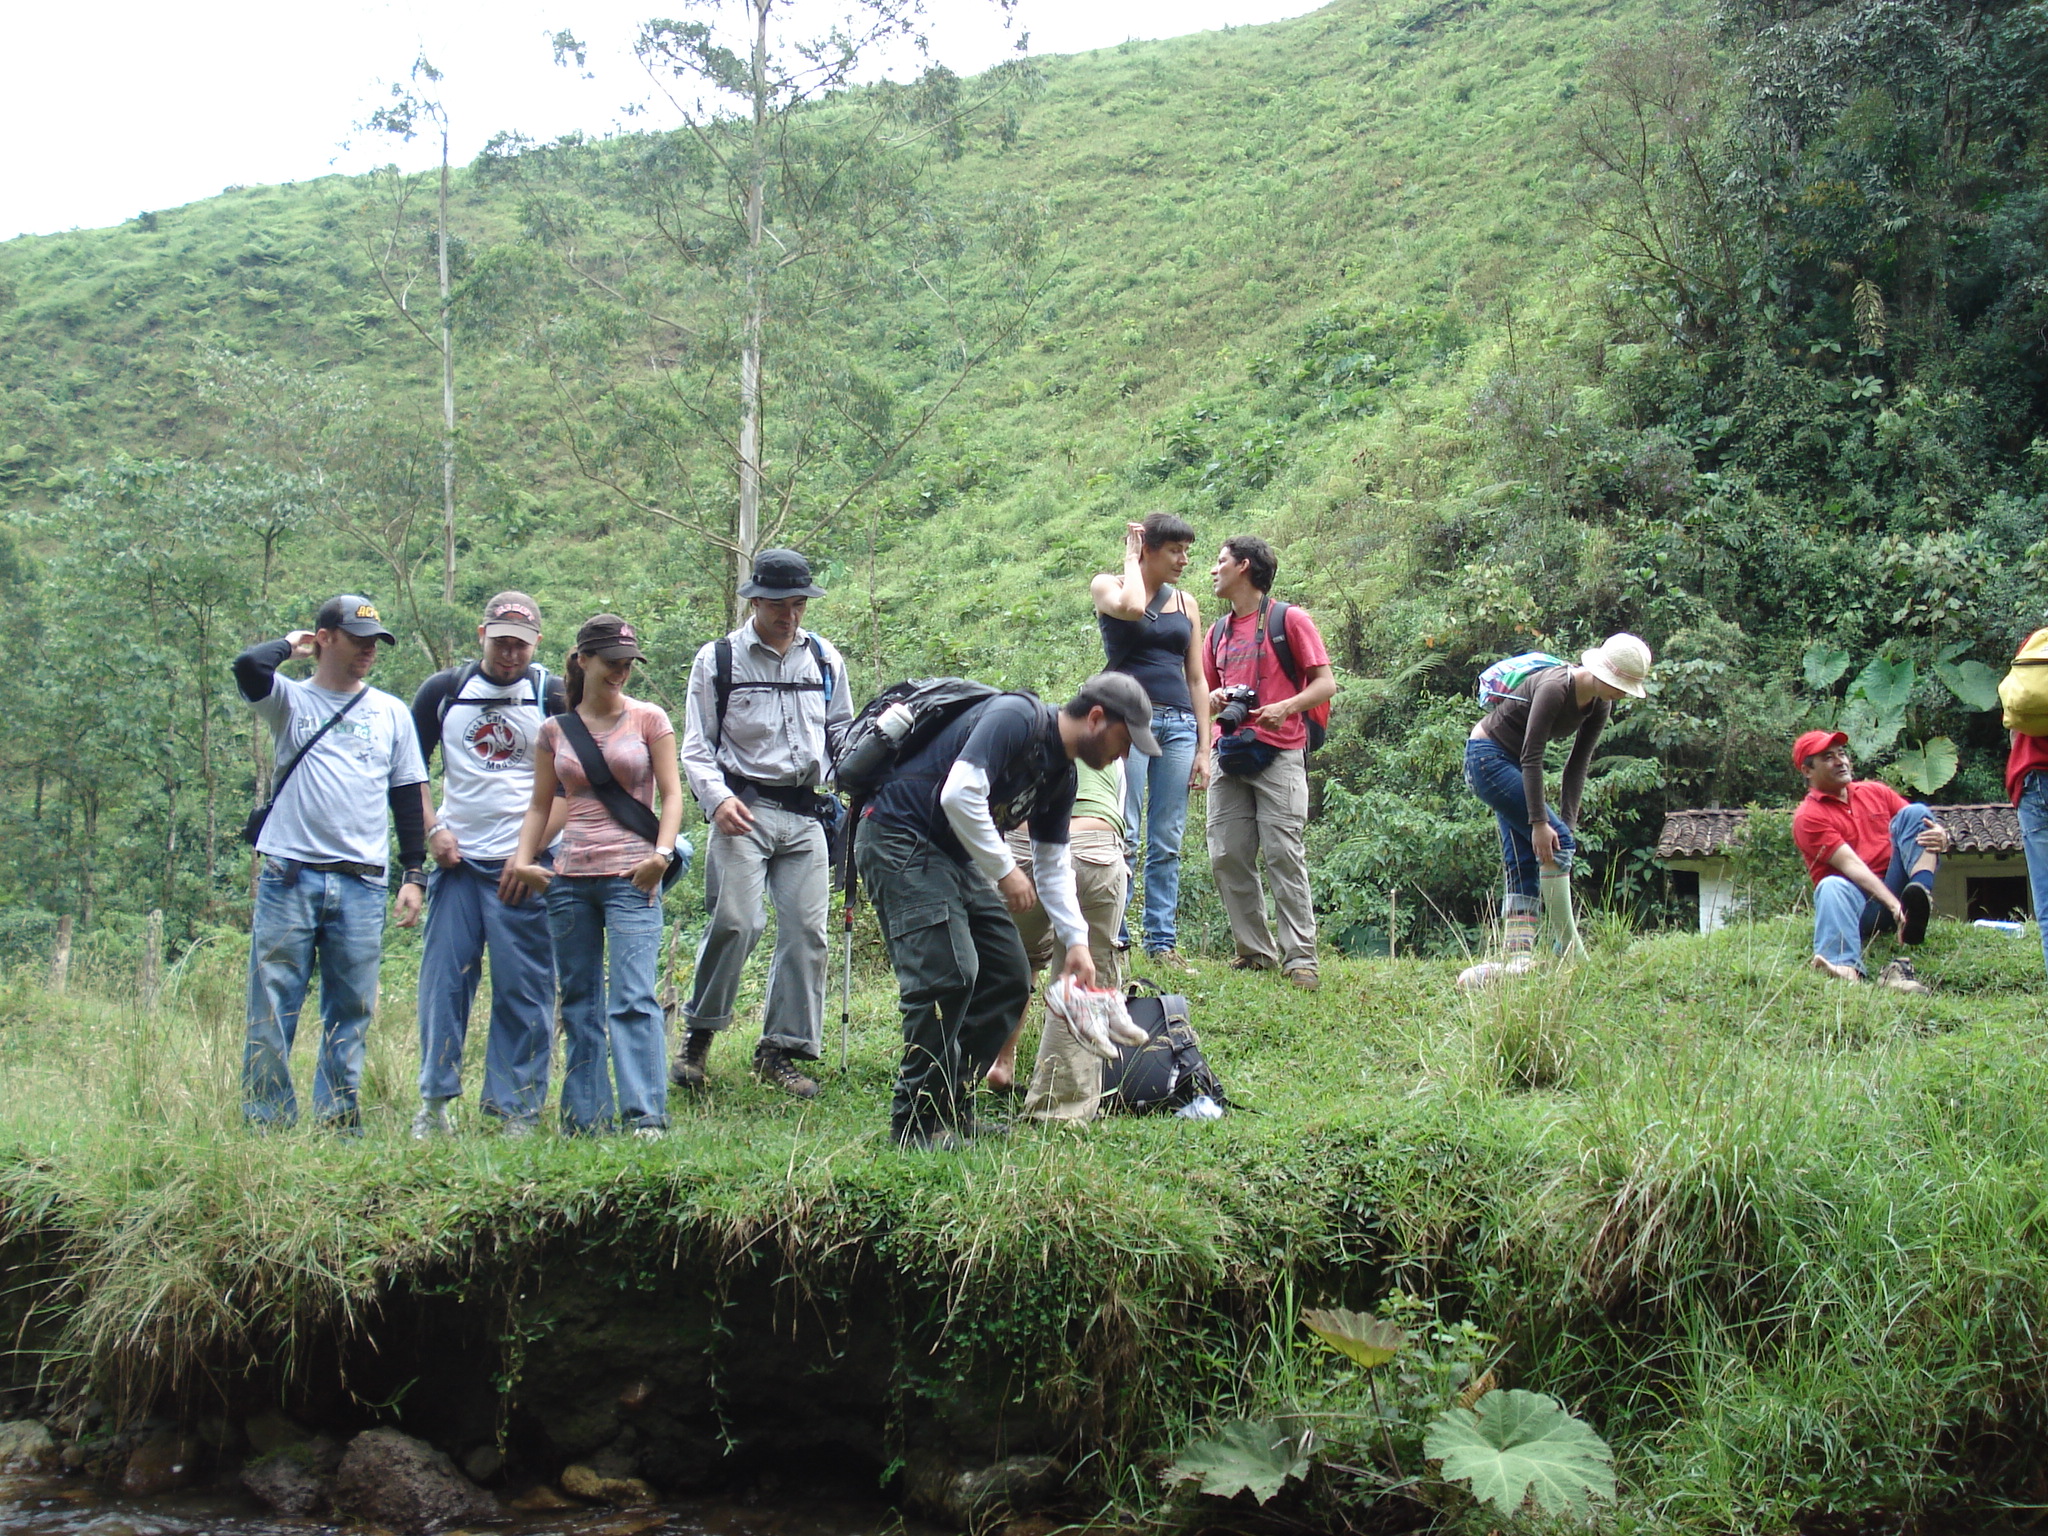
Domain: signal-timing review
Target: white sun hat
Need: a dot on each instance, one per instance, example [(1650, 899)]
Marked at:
[(1620, 661)]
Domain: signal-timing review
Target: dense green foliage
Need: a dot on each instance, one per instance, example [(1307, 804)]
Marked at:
[(1777, 1239), (1510, 325)]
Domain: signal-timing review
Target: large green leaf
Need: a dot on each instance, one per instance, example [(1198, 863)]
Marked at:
[(1823, 665), (1928, 766), (1887, 684), (1371, 1341), (1970, 681), (1870, 729), (1516, 1446), (1246, 1455)]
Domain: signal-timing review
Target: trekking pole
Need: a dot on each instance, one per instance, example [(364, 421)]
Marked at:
[(846, 988)]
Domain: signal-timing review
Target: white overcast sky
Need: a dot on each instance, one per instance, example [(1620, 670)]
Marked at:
[(120, 106)]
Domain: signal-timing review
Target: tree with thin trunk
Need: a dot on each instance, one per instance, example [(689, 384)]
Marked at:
[(700, 298), (415, 107)]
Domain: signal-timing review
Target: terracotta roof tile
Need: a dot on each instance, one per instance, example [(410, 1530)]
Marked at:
[(1991, 828)]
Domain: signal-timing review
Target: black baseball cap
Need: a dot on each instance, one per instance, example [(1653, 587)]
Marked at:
[(1119, 696), (355, 614), (609, 636), (780, 573)]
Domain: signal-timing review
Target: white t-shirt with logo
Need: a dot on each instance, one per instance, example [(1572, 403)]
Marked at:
[(334, 808), (487, 738)]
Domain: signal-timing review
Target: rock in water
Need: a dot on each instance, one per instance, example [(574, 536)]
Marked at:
[(404, 1483), (164, 1462), (970, 1496), (25, 1446), (588, 1483), (288, 1482)]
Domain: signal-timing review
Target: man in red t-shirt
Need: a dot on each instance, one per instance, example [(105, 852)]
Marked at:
[(1258, 788), (1872, 856)]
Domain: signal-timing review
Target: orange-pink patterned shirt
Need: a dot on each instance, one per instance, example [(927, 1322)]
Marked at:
[(593, 843)]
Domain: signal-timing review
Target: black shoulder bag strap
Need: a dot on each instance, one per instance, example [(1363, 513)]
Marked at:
[(623, 808), (1283, 650), (254, 827)]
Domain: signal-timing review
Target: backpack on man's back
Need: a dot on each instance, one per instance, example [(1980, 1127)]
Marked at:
[(2024, 693)]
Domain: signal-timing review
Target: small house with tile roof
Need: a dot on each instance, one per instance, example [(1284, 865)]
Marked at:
[(1984, 876)]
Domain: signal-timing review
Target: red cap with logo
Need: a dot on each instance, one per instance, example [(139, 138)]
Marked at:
[(512, 613), (1812, 744)]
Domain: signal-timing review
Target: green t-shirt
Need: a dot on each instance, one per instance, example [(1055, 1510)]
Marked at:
[(1101, 794)]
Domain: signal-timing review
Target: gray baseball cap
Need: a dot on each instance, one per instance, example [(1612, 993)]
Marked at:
[(1119, 696)]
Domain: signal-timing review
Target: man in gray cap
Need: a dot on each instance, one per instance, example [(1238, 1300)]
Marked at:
[(767, 704), (344, 751), (485, 716), (931, 851)]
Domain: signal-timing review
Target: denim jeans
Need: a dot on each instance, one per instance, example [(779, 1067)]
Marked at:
[(303, 917), (1494, 774), (1156, 808), (1844, 919), (611, 1026), (465, 918), (2033, 809)]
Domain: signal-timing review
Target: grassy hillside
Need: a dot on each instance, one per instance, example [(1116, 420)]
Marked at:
[(1355, 281), (1777, 1238)]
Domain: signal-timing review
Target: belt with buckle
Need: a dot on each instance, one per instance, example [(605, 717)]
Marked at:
[(344, 867)]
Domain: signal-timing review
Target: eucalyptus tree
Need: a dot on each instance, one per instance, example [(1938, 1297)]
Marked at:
[(710, 302), (415, 106)]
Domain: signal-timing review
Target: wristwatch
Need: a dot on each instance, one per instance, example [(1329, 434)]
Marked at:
[(416, 877), (668, 854)]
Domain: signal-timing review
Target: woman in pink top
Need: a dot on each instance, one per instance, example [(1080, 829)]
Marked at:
[(605, 888)]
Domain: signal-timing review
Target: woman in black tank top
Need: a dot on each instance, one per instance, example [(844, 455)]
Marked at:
[(1152, 631)]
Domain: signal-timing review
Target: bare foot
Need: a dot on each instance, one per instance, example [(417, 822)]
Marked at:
[(1839, 972)]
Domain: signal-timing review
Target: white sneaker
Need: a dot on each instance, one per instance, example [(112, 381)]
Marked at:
[(432, 1120), (649, 1133)]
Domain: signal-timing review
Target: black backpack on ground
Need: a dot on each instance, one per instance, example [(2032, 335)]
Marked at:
[(1169, 1069)]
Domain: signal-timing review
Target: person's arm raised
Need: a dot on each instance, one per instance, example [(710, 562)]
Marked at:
[(1123, 596)]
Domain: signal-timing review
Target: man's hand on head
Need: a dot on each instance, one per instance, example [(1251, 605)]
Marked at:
[(302, 644)]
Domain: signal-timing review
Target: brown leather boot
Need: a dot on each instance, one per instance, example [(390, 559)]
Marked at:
[(688, 1068)]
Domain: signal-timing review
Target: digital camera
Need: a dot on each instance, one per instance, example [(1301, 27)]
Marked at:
[(1239, 700)]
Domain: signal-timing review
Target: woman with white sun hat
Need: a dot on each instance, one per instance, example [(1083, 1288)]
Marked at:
[(1504, 768)]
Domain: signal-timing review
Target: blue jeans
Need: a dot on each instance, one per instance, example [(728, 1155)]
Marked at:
[(466, 917), (611, 1027), (1844, 919), (1156, 807), (1494, 774), (304, 916), (2033, 809)]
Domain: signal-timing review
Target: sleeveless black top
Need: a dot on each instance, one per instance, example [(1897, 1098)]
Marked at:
[(1153, 650)]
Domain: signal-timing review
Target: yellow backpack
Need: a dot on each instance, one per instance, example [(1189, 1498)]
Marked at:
[(2024, 693)]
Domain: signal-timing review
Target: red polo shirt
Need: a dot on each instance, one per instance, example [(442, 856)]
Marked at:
[(1822, 824)]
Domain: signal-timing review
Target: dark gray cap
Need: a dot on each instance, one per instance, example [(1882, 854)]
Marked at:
[(1119, 696), (780, 573), (355, 614)]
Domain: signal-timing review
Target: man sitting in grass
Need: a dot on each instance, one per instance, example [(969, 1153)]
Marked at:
[(1872, 856)]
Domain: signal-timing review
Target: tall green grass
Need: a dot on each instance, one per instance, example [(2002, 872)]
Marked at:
[(1781, 1239)]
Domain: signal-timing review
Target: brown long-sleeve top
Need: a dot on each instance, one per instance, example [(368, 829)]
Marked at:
[(1539, 712)]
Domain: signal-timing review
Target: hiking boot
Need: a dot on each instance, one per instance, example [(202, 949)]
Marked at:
[(974, 1128), (1838, 972), (687, 1070), (518, 1128), (432, 1121), (1250, 963), (1900, 978), (1919, 904), (1305, 978), (1170, 960), (773, 1067)]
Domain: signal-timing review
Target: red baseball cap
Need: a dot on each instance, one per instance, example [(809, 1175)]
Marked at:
[(1812, 744)]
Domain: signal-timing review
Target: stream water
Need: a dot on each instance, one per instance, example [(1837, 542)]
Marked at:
[(73, 1506)]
